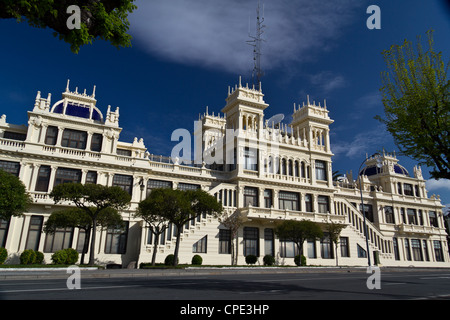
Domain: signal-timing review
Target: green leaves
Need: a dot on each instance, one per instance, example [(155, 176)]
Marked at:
[(14, 200), (106, 20), (416, 97)]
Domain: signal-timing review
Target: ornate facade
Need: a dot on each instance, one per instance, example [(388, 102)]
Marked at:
[(266, 171)]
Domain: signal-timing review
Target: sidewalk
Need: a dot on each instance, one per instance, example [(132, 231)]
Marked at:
[(63, 273)]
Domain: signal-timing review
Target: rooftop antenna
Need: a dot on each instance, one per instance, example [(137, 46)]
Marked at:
[(256, 44)]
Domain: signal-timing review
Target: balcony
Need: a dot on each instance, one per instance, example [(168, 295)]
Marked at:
[(271, 214)]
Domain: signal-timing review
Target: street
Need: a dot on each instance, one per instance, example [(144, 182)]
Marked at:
[(254, 286)]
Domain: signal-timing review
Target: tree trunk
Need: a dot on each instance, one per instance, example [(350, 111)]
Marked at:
[(177, 245), (87, 236), (155, 248), (92, 251)]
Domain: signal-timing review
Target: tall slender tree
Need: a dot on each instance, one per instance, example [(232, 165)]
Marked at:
[(93, 199), (416, 98)]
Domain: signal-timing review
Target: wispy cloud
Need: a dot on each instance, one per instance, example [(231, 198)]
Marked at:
[(213, 33), (327, 81), (441, 184), (362, 143)]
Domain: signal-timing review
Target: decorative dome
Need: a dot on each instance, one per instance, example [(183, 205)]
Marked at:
[(372, 170), (78, 110)]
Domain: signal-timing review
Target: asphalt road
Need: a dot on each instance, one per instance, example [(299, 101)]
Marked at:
[(223, 291), (231, 285)]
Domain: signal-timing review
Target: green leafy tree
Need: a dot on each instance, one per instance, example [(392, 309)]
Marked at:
[(93, 199), (151, 210), (416, 98), (298, 232), (181, 207), (79, 218), (104, 19), (334, 232), (14, 199), (233, 222)]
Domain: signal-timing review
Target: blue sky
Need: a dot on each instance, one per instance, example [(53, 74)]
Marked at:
[(186, 53)]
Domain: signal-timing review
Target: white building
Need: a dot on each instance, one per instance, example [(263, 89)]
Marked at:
[(271, 172)]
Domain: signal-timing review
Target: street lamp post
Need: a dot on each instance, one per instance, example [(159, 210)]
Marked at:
[(362, 205)]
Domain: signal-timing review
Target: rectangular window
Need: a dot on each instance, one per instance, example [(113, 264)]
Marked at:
[(116, 240), (268, 242), (4, 226), (251, 241), (91, 177), (368, 211), (61, 239), (251, 159), (412, 218), (82, 245), (407, 250), (158, 184), (224, 241), (65, 175), (201, 245), (268, 202), (324, 204), (250, 197), (34, 233), (321, 173), (438, 250), (416, 250), (10, 167), (396, 251), (311, 248), (123, 152), (309, 203), (43, 178), (345, 251), (15, 136), (389, 214), (408, 189), (433, 219), (124, 182), (288, 249), (326, 247), (74, 139), (188, 186), (361, 252), (96, 142), (51, 136), (425, 250), (289, 201)]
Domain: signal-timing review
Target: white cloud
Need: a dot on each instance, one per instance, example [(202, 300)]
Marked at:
[(213, 33), (362, 143), (327, 81), (441, 184)]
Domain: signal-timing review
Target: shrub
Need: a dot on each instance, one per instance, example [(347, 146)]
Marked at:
[(39, 257), (197, 260), (169, 260), (300, 261), (72, 256), (66, 256), (251, 259), (269, 260), (28, 257), (59, 257), (3, 255)]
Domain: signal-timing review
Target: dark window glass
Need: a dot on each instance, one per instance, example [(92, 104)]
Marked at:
[(224, 241), (10, 167), (324, 204), (91, 177), (123, 152), (251, 241), (52, 136), (288, 200), (124, 182), (61, 239), (43, 179), (116, 240), (15, 136), (65, 175), (74, 139), (250, 197), (188, 186), (96, 142), (34, 233), (321, 173)]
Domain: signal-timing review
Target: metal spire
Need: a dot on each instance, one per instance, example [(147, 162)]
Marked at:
[(256, 44)]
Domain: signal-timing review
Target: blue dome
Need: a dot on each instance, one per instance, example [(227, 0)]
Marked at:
[(374, 170), (78, 110)]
